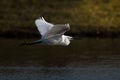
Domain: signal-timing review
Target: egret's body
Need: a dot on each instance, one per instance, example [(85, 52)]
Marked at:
[(57, 40), (52, 34)]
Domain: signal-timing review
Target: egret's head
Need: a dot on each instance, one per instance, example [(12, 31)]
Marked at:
[(67, 24), (69, 37)]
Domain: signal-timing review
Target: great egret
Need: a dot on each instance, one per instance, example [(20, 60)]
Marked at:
[(52, 34)]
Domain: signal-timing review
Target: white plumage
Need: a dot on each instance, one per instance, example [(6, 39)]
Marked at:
[(52, 34), (43, 26)]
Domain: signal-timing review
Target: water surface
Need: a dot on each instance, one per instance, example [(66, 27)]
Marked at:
[(85, 59)]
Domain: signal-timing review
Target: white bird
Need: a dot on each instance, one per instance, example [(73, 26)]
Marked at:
[(52, 34)]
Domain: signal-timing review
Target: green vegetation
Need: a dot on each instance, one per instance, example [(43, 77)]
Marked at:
[(84, 16)]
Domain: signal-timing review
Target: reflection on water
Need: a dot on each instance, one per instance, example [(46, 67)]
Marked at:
[(87, 59)]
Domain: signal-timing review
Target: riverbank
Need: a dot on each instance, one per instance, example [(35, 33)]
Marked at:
[(99, 18)]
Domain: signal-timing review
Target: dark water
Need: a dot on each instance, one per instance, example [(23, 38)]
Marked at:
[(63, 73), (86, 59)]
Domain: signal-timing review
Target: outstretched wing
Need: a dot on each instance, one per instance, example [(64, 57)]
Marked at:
[(43, 26), (57, 30)]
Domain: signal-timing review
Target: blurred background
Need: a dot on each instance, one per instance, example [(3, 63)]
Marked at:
[(86, 17), (96, 56), (97, 22)]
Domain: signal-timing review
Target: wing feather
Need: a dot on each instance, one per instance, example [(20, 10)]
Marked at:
[(57, 30), (43, 26)]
